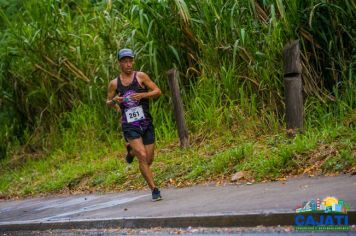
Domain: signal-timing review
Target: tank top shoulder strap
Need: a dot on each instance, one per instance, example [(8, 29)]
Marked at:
[(142, 86), (118, 84), (135, 78)]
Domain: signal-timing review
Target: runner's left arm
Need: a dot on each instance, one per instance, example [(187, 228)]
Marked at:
[(154, 90)]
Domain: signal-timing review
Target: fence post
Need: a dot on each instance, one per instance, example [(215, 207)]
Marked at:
[(178, 108), (293, 88)]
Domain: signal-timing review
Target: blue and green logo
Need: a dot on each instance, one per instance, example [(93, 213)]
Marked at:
[(329, 213)]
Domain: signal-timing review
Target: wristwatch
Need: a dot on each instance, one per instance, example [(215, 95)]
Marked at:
[(114, 102)]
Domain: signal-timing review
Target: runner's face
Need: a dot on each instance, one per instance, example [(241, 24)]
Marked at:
[(126, 65)]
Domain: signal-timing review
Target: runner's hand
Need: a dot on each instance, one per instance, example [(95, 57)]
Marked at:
[(137, 96), (118, 99)]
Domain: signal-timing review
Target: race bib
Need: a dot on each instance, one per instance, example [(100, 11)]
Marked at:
[(134, 114)]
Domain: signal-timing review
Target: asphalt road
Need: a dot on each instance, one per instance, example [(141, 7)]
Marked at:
[(267, 204)]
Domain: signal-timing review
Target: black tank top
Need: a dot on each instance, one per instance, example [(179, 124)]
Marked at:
[(126, 91)]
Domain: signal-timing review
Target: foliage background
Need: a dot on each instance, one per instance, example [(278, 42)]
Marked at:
[(57, 58)]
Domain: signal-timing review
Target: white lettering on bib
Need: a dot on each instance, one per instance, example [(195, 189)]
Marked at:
[(134, 114)]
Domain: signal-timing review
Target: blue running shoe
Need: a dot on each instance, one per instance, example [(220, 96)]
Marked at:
[(156, 195)]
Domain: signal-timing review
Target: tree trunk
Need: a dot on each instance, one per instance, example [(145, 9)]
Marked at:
[(178, 108), (293, 88)]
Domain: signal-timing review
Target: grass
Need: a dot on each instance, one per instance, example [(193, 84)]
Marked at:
[(97, 165)]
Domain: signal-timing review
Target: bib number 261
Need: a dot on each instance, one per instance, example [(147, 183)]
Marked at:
[(134, 114)]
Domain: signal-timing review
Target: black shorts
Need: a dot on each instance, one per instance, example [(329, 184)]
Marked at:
[(147, 133)]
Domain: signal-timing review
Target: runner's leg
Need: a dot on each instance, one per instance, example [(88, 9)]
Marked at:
[(149, 142), (150, 153), (140, 151)]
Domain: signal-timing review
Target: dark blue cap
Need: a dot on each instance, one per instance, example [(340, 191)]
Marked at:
[(125, 52)]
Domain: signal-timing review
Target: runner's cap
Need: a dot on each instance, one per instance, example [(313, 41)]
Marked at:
[(125, 52)]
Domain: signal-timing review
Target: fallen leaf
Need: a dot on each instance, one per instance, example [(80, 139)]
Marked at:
[(237, 176)]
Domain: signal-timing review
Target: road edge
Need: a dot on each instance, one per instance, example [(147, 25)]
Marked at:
[(224, 220)]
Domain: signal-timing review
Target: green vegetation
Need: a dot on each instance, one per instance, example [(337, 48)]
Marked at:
[(267, 157), (57, 58)]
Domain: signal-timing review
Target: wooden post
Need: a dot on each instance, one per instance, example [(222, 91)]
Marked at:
[(178, 108), (293, 88)]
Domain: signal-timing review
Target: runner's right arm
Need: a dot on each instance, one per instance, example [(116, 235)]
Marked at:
[(113, 100)]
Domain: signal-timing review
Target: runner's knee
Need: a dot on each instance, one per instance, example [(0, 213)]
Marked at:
[(142, 155)]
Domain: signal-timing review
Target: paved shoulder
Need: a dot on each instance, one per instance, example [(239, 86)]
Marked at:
[(212, 204)]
